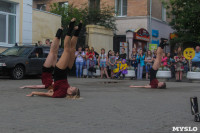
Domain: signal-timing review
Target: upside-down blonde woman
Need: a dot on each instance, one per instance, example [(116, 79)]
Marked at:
[(60, 86)]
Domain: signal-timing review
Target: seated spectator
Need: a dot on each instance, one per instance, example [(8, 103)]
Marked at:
[(196, 59), (123, 69)]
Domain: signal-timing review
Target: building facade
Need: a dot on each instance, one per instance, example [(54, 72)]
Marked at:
[(15, 22), (132, 16), (21, 24)]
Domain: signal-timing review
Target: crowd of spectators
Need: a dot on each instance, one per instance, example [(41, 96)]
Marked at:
[(113, 64)]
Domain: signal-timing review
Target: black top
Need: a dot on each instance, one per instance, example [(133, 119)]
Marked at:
[(153, 74), (122, 56), (59, 74)]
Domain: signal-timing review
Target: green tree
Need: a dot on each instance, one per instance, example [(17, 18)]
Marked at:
[(103, 17), (185, 19)]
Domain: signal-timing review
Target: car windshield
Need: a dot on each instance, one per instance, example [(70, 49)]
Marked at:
[(17, 51)]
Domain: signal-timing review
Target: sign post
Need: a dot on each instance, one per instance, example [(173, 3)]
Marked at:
[(189, 54)]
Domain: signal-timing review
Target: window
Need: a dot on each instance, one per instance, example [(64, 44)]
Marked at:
[(94, 4), (121, 7), (41, 7), (163, 13), (7, 23), (63, 4)]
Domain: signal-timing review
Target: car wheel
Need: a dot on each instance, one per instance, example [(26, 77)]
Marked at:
[(18, 72)]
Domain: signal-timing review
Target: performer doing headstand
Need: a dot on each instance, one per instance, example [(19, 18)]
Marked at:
[(61, 88), (154, 83), (49, 65)]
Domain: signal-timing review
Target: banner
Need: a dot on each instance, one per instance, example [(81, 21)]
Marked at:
[(153, 46)]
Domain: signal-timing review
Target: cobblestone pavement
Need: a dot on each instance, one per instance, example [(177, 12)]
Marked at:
[(105, 106)]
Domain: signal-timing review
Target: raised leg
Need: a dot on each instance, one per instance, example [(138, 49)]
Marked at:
[(52, 56), (64, 60), (157, 62)]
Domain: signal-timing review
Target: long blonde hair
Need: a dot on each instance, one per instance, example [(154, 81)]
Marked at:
[(74, 95)]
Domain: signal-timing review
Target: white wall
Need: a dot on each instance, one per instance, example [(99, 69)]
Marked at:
[(164, 30), (124, 24), (27, 22)]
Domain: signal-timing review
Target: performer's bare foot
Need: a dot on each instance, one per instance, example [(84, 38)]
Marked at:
[(29, 95)]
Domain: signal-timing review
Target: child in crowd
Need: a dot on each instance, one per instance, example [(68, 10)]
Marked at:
[(91, 67), (117, 66), (179, 60), (117, 56), (112, 62), (164, 60), (133, 60), (149, 62), (102, 62), (140, 59), (123, 69)]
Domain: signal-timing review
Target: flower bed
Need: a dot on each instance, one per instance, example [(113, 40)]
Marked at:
[(164, 72), (131, 72), (194, 74)]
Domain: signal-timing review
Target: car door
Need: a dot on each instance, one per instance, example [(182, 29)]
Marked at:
[(36, 60)]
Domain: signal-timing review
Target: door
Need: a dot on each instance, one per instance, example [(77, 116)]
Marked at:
[(36, 61)]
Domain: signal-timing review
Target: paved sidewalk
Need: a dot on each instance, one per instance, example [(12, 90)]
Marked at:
[(106, 106)]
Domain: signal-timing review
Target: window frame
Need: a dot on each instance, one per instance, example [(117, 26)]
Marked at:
[(7, 26), (122, 10), (164, 13)]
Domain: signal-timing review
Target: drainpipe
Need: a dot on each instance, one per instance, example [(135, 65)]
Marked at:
[(150, 23)]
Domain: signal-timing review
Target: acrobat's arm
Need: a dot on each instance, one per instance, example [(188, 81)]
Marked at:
[(47, 94), (145, 86), (33, 87)]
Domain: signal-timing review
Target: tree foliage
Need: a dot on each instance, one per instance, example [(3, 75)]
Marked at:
[(185, 19), (103, 16)]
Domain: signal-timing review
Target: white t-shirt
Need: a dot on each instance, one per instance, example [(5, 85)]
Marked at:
[(79, 58), (103, 57)]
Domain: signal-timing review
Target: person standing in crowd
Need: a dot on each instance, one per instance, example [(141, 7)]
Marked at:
[(179, 60), (123, 54), (102, 62), (94, 58), (108, 64), (39, 43), (140, 60), (90, 56), (112, 62), (117, 56), (133, 60), (149, 63), (47, 42), (170, 64), (85, 60), (154, 54), (80, 55), (91, 67), (164, 60), (196, 59)]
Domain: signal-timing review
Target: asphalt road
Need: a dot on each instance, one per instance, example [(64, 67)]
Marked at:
[(103, 108)]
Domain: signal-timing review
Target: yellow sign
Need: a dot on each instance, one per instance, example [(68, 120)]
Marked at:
[(189, 53)]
